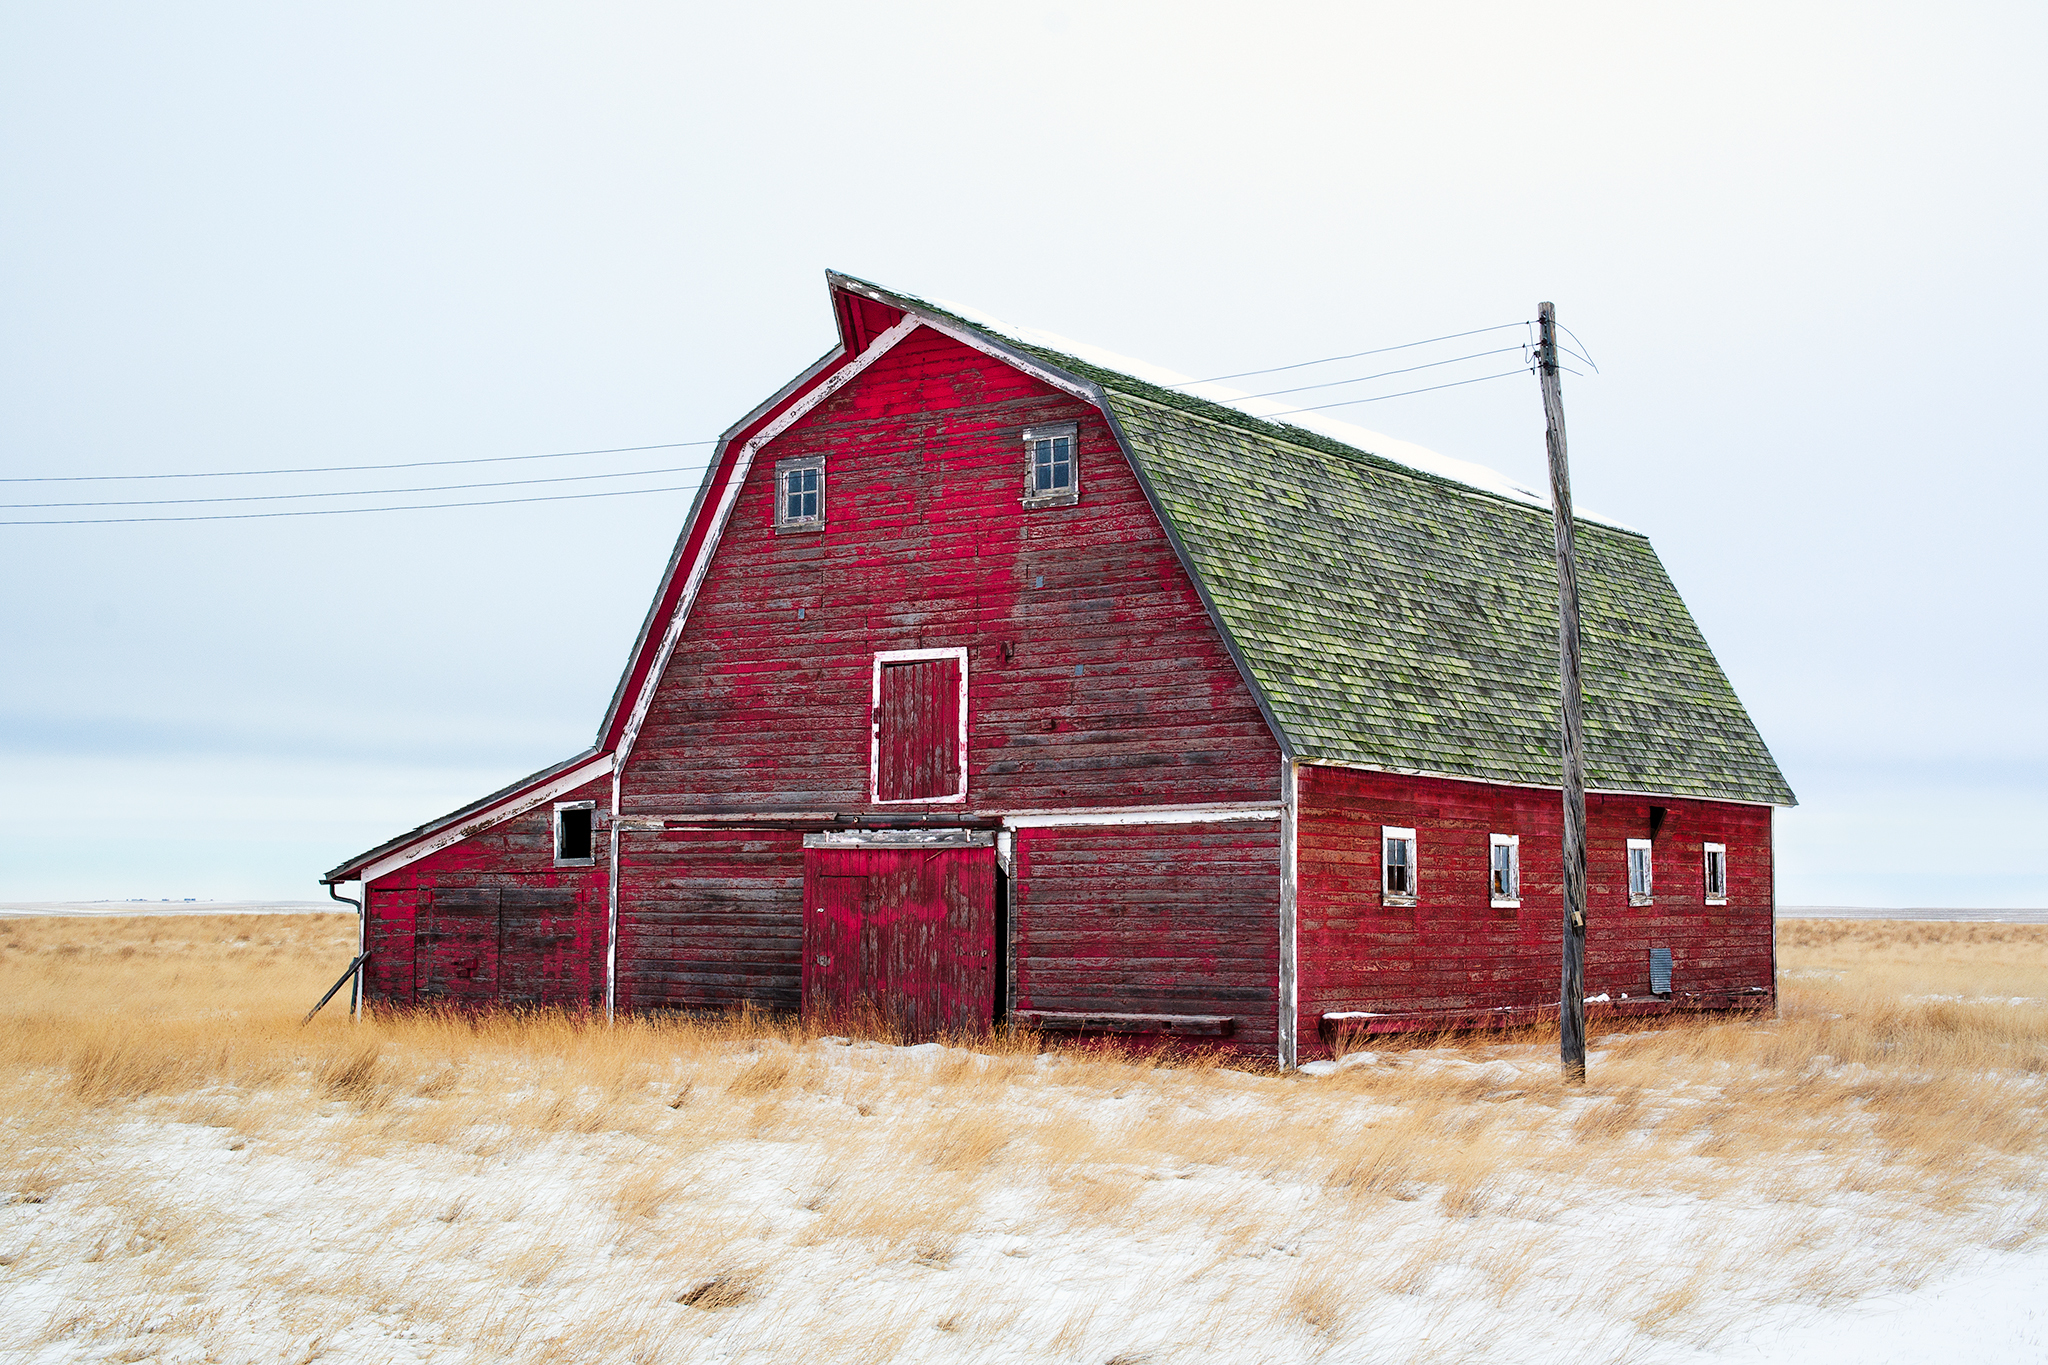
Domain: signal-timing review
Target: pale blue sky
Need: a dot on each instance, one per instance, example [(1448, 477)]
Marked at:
[(1802, 240)]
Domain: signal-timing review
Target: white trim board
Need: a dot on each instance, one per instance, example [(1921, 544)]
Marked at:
[(1137, 815), (503, 811), (729, 497), (957, 653)]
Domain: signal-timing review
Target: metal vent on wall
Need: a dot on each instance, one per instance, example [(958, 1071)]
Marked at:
[(1660, 971)]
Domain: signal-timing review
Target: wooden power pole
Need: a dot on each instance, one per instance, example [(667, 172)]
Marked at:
[(1571, 1010)]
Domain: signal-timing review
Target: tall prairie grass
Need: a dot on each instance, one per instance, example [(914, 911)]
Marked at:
[(184, 1166)]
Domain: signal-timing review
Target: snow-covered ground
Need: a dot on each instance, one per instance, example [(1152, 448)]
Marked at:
[(769, 1201)]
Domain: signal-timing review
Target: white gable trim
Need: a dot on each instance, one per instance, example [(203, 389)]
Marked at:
[(1044, 374), (475, 824), (729, 497)]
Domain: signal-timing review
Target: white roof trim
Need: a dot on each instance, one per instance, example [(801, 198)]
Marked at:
[(729, 497), (498, 814)]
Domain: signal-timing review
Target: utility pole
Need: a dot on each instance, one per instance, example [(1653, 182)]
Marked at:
[(1571, 1008)]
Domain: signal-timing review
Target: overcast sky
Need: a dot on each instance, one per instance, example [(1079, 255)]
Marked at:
[(1803, 242)]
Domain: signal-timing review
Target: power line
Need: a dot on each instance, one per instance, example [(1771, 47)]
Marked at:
[(351, 492), (352, 511), (1588, 350), (355, 468), (559, 497), (1322, 407), (1331, 359), (1334, 383)]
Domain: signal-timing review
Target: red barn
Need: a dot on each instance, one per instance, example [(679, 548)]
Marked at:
[(988, 683)]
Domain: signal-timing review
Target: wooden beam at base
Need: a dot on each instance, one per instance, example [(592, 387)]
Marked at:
[(1180, 1025), (1352, 1024)]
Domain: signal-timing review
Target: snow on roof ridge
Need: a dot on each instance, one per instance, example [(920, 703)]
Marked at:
[(1467, 472)]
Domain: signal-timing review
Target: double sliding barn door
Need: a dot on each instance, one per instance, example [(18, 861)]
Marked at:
[(508, 946), (906, 933)]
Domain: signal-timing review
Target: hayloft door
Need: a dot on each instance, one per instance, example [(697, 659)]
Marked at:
[(900, 931)]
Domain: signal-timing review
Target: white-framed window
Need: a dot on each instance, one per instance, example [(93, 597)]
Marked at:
[(800, 493), (1639, 879), (1716, 873), (1397, 865), (1504, 870), (1052, 464), (575, 833), (918, 726)]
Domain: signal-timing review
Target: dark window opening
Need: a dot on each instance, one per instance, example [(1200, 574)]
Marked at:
[(574, 829)]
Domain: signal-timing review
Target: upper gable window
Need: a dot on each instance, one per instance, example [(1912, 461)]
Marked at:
[(1052, 465), (1639, 883), (800, 493)]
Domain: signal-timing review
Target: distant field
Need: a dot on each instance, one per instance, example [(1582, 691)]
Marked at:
[(188, 1174)]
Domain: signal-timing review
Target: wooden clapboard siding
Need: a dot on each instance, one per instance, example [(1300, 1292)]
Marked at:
[(710, 921), (558, 914), (1095, 674), (1454, 951), (1151, 919)]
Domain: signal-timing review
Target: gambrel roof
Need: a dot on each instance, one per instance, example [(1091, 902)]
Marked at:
[(1389, 613), (1395, 618)]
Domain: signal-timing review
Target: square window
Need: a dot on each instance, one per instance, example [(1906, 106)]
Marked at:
[(1397, 865), (1639, 883), (1717, 874), (1504, 870), (800, 494), (575, 833), (1052, 465)]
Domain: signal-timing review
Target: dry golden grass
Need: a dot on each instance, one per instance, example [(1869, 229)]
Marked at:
[(184, 1166)]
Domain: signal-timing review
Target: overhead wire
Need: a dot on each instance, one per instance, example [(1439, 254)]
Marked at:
[(1383, 374), (350, 511), (669, 445), (353, 468), (1381, 398), (354, 492), (1355, 355)]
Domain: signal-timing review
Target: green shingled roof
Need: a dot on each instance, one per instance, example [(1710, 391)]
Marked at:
[(1397, 619)]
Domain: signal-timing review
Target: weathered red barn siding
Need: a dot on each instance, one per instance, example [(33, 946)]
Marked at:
[(1095, 675), (710, 920), (1454, 951), (1151, 919), (517, 853)]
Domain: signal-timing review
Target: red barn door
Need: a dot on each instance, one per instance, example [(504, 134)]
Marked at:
[(513, 946), (906, 932)]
